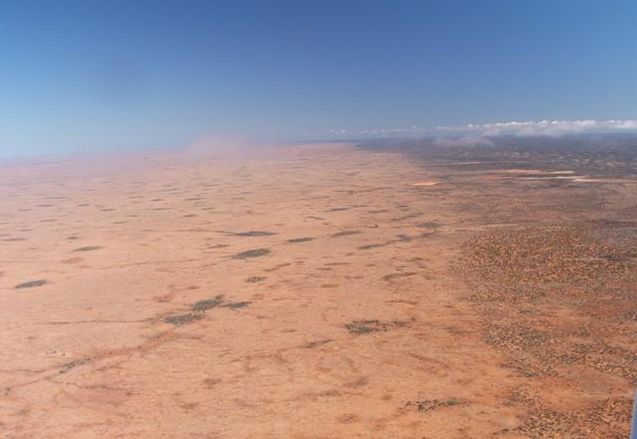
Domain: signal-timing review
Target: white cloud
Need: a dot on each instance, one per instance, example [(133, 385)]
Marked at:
[(520, 128), (543, 127)]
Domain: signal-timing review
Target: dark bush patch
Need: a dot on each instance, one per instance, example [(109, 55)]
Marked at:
[(237, 305), (392, 276), (428, 405), (204, 305), (314, 344), (250, 233), (371, 246), (255, 279), (73, 364), (88, 248), (252, 253), (31, 284), (345, 233), (363, 326), (368, 326), (297, 240), (182, 319)]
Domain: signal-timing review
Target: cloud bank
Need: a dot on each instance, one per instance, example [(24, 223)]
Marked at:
[(544, 127), (518, 128)]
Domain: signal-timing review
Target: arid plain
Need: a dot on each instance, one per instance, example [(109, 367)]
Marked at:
[(321, 291)]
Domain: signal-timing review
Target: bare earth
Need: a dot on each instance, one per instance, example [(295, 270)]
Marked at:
[(317, 292)]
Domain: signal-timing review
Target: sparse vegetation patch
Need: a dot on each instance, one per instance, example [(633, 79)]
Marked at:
[(236, 305), (88, 248), (255, 253), (429, 405), (369, 326), (205, 305), (251, 233), (255, 279), (298, 240), (31, 284), (182, 319)]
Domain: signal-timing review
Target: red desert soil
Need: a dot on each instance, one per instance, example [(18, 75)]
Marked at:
[(313, 292)]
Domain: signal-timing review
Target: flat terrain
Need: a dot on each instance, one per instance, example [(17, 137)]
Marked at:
[(322, 291)]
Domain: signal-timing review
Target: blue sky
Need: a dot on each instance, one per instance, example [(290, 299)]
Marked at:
[(86, 75)]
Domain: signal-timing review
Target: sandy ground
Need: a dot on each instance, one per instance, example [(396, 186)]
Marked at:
[(315, 292)]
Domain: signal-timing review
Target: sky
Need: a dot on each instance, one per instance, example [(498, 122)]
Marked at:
[(89, 75)]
